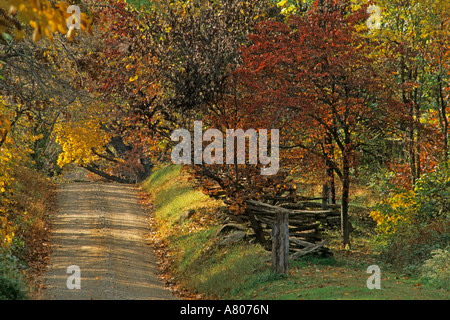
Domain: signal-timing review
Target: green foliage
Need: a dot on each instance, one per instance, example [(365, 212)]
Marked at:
[(12, 286), (173, 194), (407, 250), (432, 194), (428, 201), (412, 224), (437, 269), (291, 7), (314, 260), (261, 279)]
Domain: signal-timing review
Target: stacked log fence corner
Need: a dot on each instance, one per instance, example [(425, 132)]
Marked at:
[(294, 229)]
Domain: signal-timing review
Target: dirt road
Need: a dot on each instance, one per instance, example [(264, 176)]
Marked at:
[(101, 229)]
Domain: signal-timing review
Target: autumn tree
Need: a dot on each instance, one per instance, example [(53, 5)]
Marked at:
[(35, 77), (34, 91), (314, 77), (87, 126), (168, 65), (198, 54), (414, 35)]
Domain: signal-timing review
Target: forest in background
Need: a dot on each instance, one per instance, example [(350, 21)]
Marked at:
[(355, 106)]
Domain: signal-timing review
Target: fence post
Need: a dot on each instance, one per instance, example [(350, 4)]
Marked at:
[(325, 196), (280, 242)]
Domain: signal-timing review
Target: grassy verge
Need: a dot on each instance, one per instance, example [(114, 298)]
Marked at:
[(191, 254), (186, 221)]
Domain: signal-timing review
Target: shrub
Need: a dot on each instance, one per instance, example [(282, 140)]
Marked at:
[(432, 194), (413, 223), (437, 269), (12, 287), (428, 201), (395, 213), (24, 226), (409, 248)]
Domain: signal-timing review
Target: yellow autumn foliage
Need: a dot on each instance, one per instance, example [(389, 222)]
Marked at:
[(14, 153), (6, 232), (395, 212), (44, 17), (78, 139)]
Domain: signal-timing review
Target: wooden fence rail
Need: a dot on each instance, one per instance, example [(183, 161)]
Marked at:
[(289, 225), (295, 231)]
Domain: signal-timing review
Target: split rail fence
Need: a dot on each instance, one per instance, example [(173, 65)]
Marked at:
[(291, 225), (295, 229)]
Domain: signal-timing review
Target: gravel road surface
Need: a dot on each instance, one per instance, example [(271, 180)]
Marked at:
[(102, 229)]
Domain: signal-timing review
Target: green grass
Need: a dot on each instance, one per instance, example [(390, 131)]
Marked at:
[(242, 271), (172, 194), (315, 279), (199, 263), (160, 177)]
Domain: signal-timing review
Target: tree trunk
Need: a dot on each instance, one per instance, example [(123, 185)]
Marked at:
[(330, 193), (418, 115), (345, 231), (412, 155), (325, 196), (107, 175), (444, 120), (330, 187)]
